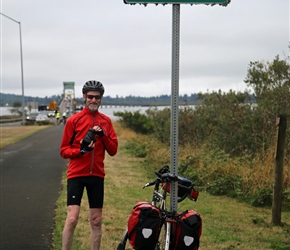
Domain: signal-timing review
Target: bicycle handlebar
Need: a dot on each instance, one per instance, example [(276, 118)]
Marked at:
[(149, 184), (164, 176)]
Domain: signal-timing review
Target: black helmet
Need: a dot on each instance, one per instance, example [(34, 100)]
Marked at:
[(93, 86)]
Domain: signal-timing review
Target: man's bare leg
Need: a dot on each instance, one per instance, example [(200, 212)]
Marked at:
[(70, 225), (96, 227)]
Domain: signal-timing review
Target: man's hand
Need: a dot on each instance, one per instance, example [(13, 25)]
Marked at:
[(99, 131), (87, 148)]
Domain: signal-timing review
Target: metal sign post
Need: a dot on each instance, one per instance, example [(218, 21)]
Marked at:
[(174, 103)]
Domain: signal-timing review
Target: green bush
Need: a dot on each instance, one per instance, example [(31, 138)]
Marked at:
[(262, 197), (27, 123), (161, 124), (40, 123), (286, 196), (189, 168), (229, 186), (136, 121)]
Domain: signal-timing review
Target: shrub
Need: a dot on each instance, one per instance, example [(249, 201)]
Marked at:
[(136, 121), (27, 123), (262, 197), (46, 122), (161, 124), (286, 196), (229, 186), (189, 167)]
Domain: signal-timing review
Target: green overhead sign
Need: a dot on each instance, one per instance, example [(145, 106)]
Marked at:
[(221, 2)]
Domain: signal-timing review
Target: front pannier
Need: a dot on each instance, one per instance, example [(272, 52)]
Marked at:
[(143, 226)]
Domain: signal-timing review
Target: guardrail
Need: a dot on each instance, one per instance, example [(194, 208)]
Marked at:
[(10, 120)]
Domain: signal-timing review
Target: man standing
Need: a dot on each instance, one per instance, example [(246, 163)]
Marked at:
[(87, 135)]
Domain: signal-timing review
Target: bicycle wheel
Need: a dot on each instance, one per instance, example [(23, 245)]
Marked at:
[(122, 244), (162, 238)]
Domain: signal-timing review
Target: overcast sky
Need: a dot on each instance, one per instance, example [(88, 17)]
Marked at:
[(128, 47)]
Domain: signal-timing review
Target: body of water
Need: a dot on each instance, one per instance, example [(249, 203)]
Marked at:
[(8, 111), (5, 111), (107, 110)]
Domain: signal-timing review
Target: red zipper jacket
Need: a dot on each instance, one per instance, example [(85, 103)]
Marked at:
[(91, 163)]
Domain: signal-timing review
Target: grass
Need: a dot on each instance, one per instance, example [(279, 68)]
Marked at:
[(227, 223), (12, 134)]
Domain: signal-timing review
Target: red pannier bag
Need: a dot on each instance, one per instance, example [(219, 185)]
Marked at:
[(188, 230), (143, 226)]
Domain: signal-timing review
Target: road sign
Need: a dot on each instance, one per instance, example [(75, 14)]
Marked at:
[(220, 2)]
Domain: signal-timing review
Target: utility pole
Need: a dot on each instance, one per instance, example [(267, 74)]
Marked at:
[(21, 60)]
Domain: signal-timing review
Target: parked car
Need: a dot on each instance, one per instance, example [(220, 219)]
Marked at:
[(51, 114), (31, 117), (41, 117), (46, 113)]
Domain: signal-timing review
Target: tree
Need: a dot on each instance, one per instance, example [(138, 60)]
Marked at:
[(271, 84), (16, 108), (16, 104), (224, 121)]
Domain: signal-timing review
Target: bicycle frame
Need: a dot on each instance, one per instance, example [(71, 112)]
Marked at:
[(160, 198)]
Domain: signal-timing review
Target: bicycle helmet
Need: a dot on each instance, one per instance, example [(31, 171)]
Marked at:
[(93, 86)]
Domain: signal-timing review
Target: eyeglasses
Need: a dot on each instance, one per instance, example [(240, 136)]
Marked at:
[(97, 97)]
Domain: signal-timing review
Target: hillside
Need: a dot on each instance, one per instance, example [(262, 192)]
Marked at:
[(10, 99)]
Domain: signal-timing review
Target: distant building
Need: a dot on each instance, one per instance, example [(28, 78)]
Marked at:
[(68, 102), (32, 106)]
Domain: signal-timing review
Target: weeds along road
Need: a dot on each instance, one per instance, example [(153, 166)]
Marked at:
[(31, 172)]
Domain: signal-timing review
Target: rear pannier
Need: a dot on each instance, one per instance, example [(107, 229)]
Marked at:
[(188, 230)]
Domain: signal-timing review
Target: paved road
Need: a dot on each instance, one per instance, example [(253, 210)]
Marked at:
[(31, 172)]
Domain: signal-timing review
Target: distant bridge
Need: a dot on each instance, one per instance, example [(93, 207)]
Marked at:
[(133, 104), (141, 105)]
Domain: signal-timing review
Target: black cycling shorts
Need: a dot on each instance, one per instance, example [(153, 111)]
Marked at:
[(95, 190)]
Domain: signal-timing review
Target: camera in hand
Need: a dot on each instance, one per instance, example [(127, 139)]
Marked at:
[(90, 136)]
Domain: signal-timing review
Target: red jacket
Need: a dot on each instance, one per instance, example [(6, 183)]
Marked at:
[(91, 163)]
